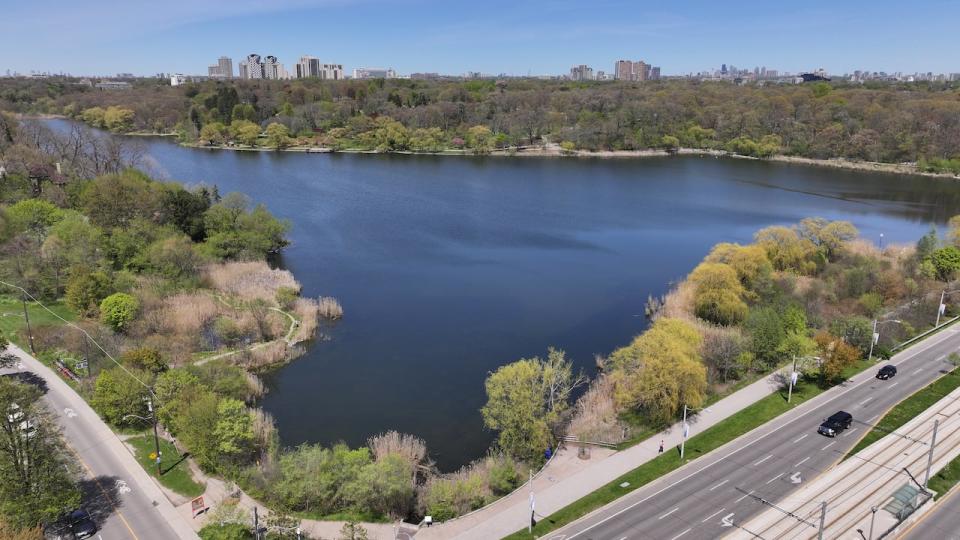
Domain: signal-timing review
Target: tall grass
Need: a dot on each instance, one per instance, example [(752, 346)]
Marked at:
[(249, 280), (329, 308)]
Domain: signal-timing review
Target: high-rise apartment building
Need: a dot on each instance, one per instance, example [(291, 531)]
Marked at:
[(225, 66), (252, 67), (582, 72), (625, 70), (308, 66)]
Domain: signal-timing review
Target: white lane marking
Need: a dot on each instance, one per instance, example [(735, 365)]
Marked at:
[(802, 461), (681, 534), (762, 460), (70, 413), (918, 370), (827, 398), (870, 421), (795, 478), (849, 432), (718, 485), (727, 520), (713, 515), (941, 357), (742, 498), (829, 445), (774, 478), (894, 384), (668, 513), (864, 402), (122, 487), (800, 438)]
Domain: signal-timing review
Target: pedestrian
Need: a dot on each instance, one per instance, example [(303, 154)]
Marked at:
[(661, 448)]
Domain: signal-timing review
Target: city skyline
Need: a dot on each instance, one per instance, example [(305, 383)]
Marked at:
[(415, 36)]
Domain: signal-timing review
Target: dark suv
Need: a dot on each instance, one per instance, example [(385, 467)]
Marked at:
[(839, 421), (887, 372), (81, 524)]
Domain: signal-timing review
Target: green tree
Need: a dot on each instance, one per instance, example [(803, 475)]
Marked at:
[(245, 132), (121, 392), (93, 116), (946, 261), (718, 295), (767, 331), (86, 290), (525, 399), (225, 531), (234, 429), (670, 143), (213, 133), (37, 472), (660, 371), (119, 310), (33, 216), (480, 139), (829, 236), (145, 358), (278, 136), (195, 424), (244, 112), (787, 250), (118, 119)]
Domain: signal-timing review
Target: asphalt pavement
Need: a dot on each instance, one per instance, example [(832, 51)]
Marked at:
[(943, 522), (122, 499), (708, 498)]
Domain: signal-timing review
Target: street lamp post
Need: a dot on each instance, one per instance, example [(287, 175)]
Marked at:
[(875, 337), (683, 432), (942, 307), (873, 517)]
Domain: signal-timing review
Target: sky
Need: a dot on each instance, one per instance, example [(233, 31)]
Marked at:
[(103, 37)]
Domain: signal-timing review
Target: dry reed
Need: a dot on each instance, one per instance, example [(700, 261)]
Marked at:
[(329, 308), (409, 447), (595, 414), (249, 280)]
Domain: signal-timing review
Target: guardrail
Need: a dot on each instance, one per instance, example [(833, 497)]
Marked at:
[(924, 334), (572, 439)]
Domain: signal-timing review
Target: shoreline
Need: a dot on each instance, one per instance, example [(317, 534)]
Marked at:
[(553, 150)]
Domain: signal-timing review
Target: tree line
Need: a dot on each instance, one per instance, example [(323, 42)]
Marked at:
[(883, 122)]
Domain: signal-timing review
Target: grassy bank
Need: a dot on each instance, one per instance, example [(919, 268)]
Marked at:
[(12, 319), (946, 478), (908, 409), (176, 473), (720, 434)]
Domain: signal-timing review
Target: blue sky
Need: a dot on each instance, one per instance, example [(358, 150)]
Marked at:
[(493, 36)]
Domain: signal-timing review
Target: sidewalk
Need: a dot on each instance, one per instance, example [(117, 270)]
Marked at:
[(110, 447), (561, 482)]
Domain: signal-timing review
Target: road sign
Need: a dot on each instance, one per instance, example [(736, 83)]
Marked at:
[(153, 455), (197, 506)]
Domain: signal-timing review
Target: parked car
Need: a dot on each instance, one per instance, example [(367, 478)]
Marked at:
[(833, 426), (887, 372), (81, 524)]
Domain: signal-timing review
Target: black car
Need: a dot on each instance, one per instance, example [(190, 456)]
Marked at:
[(886, 372), (81, 524), (839, 421)]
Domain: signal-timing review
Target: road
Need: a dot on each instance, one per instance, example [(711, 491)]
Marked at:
[(124, 502), (709, 497), (943, 522)]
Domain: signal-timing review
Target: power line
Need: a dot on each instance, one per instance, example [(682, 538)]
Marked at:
[(84, 332)]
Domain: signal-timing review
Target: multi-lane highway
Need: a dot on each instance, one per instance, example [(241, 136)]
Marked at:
[(123, 500), (711, 496)]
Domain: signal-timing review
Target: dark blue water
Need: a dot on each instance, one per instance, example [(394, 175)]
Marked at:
[(448, 267)]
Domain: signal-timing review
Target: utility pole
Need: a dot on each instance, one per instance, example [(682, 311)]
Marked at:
[(823, 519), (874, 338), (683, 432), (256, 524), (793, 379), (156, 437), (26, 316), (940, 308), (933, 443), (532, 505)]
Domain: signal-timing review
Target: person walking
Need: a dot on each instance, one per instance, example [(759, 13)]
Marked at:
[(661, 448)]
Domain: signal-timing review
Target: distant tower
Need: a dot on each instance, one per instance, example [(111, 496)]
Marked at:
[(225, 65)]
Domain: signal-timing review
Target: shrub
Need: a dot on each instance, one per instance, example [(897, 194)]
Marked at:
[(225, 531), (118, 310), (329, 308), (85, 291), (144, 358)]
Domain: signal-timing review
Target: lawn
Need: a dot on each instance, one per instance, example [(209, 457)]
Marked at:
[(909, 408), (714, 437), (12, 320), (176, 474)]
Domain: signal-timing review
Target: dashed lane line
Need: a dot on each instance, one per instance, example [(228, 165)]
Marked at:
[(718, 485), (762, 460), (668, 513)]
